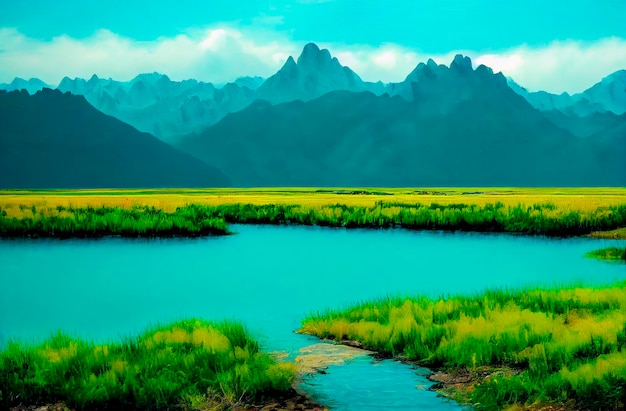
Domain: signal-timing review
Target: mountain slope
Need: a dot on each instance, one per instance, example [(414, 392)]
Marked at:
[(56, 140), (610, 92), (155, 104), (608, 95), (359, 139)]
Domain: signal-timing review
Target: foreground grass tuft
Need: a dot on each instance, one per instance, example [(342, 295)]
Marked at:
[(526, 347), (186, 365)]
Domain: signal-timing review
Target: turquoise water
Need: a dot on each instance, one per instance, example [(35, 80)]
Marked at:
[(270, 278)]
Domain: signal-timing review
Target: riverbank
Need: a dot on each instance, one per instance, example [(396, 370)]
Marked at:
[(562, 347), (617, 234), (90, 222), (188, 365), (200, 220)]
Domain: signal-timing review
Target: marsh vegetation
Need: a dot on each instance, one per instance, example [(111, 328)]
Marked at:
[(531, 347), (146, 221), (190, 364), (194, 220)]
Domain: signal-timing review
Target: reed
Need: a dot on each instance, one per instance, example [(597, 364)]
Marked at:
[(561, 344), (65, 222), (193, 220), (180, 365)]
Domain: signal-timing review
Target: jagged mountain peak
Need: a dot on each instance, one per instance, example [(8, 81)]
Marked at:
[(290, 62), (316, 72), (314, 58), (32, 80), (150, 78), (32, 85), (461, 63)]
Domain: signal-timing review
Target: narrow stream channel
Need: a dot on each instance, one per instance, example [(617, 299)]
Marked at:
[(270, 278)]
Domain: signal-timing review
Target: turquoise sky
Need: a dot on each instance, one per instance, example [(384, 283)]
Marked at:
[(435, 26)]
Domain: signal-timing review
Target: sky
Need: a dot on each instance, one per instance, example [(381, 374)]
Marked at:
[(553, 45)]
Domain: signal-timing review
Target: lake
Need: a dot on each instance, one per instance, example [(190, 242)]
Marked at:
[(269, 278)]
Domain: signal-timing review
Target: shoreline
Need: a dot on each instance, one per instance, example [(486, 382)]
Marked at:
[(296, 401)]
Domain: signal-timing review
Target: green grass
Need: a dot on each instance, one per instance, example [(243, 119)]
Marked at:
[(562, 344), (540, 219), (182, 365), (97, 222), (195, 220), (611, 253)]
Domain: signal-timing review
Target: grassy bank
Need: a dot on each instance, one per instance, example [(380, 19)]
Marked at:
[(187, 365), (538, 219), (553, 212), (65, 222), (520, 348), (611, 253), (195, 220)]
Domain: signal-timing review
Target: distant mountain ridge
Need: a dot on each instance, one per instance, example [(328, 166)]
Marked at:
[(481, 134), (317, 123), (56, 140), (169, 109), (32, 85)]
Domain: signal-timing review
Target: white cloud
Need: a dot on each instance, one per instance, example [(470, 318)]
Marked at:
[(571, 66), (225, 52), (219, 54)]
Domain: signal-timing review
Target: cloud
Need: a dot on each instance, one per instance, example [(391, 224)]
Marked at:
[(560, 66), (225, 51), (218, 54)]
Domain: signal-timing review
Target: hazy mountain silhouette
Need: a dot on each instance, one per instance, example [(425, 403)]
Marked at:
[(442, 125), (314, 74), (169, 109), (32, 85), (153, 103), (585, 114), (360, 139), (56, 140)]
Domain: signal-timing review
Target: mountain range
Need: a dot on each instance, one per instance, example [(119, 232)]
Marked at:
[(56, 140), (317, 123), (482, 134), (169, 109)]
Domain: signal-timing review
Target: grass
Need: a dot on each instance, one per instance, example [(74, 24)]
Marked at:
[(558, 212), (530, 347), (611, 253), (565, 199), (194, 220), (96, 222), (187, 365)]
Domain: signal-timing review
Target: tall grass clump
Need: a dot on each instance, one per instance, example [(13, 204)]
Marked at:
[(559, 344), (96, 222), (181, 365)]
